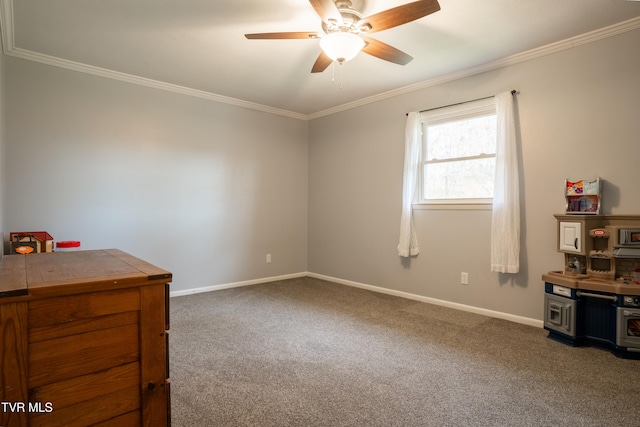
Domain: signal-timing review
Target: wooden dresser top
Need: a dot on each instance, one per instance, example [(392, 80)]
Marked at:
[(49, 274)]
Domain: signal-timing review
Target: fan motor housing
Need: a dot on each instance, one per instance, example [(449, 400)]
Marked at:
[(350, 19)]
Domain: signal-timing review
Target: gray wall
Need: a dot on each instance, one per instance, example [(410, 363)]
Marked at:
[(578, 112), (200, 188), (206, 189)]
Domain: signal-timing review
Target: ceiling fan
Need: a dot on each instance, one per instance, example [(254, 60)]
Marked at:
[(345, 31)]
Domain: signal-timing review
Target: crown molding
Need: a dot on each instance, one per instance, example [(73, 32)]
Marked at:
[(142, 81), (6, 26), (9, 49)]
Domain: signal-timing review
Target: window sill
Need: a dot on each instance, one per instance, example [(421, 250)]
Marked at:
[(453, 206)]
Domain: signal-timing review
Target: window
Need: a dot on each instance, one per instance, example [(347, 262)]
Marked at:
[(459, 154)]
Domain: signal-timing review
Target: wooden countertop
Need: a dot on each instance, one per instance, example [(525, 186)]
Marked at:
[(45, 274), (13, 281), (588, 283)]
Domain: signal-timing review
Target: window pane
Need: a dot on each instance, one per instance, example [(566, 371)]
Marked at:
[(461, 138), (460, 179)]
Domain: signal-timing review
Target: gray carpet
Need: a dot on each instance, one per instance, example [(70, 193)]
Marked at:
[(306, 352)]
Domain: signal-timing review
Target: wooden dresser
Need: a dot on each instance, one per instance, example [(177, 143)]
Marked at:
[(83, 340)]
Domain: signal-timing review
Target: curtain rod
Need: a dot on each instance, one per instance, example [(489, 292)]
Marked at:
[(513, 92)]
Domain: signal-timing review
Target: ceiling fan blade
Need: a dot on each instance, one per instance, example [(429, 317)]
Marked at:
[(287, 35), (327, 10), (400, 15), (321, 63), (383, 51)]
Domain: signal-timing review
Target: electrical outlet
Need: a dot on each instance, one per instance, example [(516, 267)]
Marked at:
[(268, 258), (464, 278)]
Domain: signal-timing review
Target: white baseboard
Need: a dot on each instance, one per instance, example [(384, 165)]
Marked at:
[(236, 284), (471, 309)]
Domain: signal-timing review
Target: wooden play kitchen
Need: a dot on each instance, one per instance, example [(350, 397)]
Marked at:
[(595, 299), (83, 340)]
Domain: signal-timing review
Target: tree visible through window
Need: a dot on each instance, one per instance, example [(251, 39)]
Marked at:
[(459, 154)]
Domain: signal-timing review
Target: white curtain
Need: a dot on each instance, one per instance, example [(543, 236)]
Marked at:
[(505, 223), (408, 245)]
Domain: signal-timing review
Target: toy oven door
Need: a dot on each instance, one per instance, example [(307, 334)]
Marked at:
[(560, 314), (628, 328)]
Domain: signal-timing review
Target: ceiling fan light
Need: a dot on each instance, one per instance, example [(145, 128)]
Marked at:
[(341, 46)]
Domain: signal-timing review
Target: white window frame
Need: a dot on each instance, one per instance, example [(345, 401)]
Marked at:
[(462, 111)]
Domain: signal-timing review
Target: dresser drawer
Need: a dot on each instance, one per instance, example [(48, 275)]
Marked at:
[(71, 356), (73, 308)]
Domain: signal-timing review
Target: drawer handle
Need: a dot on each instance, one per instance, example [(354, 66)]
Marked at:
[(151, 386), (589, 294), (575, 243)]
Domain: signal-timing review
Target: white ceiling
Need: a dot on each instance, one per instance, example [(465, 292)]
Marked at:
[(198, 46)]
